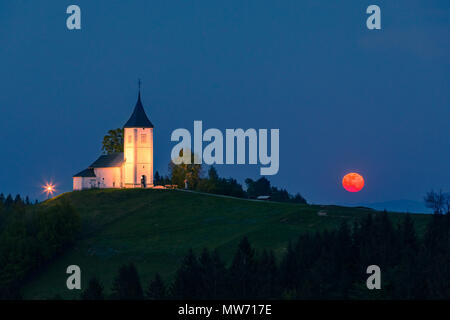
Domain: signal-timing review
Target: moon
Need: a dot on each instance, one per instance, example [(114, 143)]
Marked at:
[(353, 182)]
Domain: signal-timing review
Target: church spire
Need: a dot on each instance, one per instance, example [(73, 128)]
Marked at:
[(139, 90), (139, 119)]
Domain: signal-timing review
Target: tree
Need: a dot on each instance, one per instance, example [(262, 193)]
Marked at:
[(243, 271), (30, 239), (298, 198), (94, 291), (212, 174), (186, 284), (179, 173), (156, 289), (213, 275), (267, 276), (408, 242), (157, 180), (9, 201), (435, 201), (113, 141), (18, 200), (447, 203), (260, 187), (289, 268), (127, 285)]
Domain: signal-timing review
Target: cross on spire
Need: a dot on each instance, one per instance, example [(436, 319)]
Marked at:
[(139, 85)]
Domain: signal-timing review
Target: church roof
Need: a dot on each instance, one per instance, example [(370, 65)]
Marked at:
[(86, 173), (108, 160), (138, 119)]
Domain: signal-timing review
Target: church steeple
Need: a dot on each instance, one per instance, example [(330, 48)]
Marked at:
[(138, 118), (139, 86)]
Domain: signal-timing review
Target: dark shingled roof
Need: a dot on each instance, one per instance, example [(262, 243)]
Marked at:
[(86, 173), (108, 160), (138, 119)]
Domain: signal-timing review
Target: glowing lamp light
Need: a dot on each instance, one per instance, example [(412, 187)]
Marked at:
[(49, 189)]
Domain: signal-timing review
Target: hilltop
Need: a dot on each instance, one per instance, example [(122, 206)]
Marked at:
[(155, 228)]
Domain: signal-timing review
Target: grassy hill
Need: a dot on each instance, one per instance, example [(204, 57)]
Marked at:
[(155, 228)]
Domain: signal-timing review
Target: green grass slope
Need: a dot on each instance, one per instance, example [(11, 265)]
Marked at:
[(155, 228)]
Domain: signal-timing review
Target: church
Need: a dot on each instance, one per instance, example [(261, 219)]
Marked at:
[(132, 168)]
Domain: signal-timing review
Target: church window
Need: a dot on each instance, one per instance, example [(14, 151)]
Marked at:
[(143, 138)]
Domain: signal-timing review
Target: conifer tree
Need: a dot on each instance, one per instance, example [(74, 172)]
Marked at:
[(186, 284), (18, 200), (266, 276), (288, 269), (94, 291), (242, 271), (127, 285), (157, 179), (8, 201), (156, 289)]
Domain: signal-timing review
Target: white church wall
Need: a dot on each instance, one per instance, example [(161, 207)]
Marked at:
[(89, 182), (77, 183), (108, 177), (83, 183)]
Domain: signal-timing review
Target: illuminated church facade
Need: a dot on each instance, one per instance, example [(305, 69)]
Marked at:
[(132, 168)]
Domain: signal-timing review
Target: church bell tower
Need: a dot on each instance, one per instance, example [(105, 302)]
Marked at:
[(138, 149)]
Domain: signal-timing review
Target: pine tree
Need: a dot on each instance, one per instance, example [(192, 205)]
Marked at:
[(206, 276), (9, 201), (213, 275), (267, 276), (156, 289), (18, 200), (344, 261), (94, 291), (242, 271), (186, 284), (212, 174), (409, 241), (127, 285), (220, 277), (289, 268), (157, 179)]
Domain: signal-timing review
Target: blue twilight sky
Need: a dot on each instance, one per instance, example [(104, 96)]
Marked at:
[(344, 98)]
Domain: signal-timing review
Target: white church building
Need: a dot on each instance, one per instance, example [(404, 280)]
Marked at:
[(132, 168)]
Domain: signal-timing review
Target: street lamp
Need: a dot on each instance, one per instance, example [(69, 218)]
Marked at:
[(49, 189)]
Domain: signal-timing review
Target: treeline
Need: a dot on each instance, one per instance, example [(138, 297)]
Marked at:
[(31, 236), (326, 265), (12, 204), (9, 201), (191, 175)]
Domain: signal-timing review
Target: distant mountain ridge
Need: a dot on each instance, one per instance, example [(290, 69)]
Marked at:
[(403, 205)]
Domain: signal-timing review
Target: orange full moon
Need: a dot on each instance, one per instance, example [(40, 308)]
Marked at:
[(353, 182)]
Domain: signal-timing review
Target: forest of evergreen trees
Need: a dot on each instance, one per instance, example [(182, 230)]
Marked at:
[(30, 237), (326, 265)]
